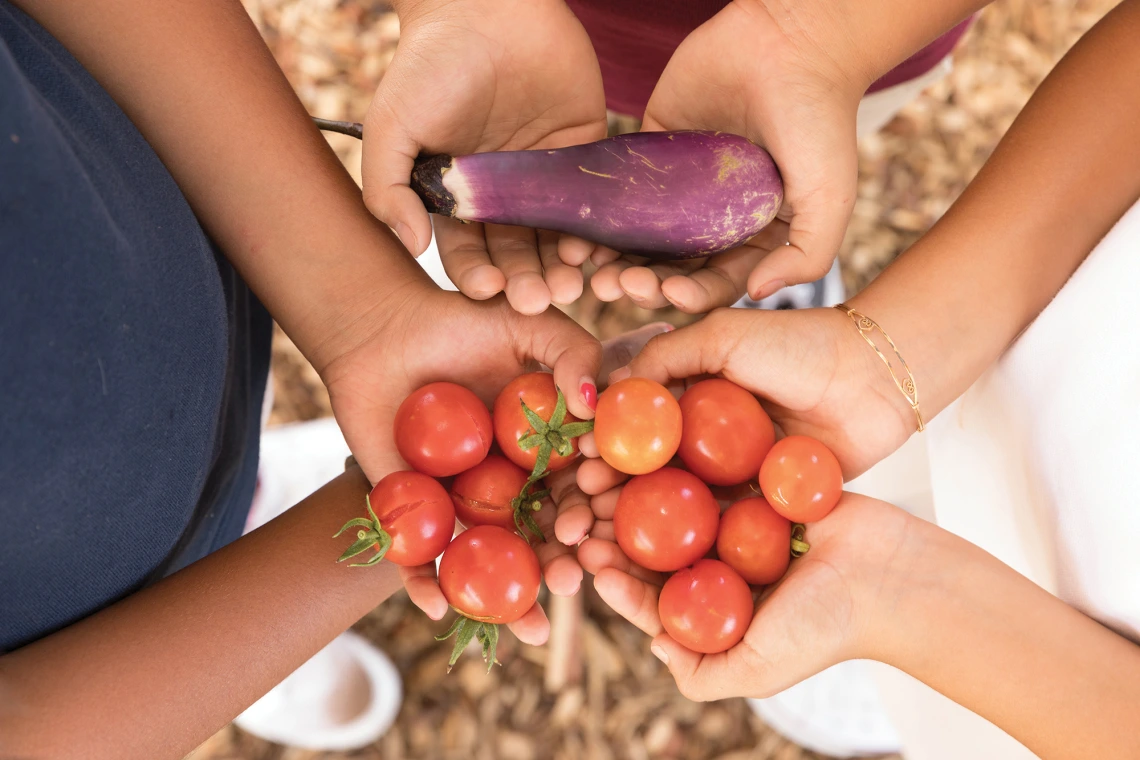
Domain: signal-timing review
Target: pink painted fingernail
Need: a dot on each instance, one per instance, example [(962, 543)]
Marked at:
[(589, 393), (660, 653)]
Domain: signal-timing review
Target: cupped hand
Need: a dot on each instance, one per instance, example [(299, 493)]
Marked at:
[(810, 369), (472, 76), (771, 77), (432, 335), (829, 607)]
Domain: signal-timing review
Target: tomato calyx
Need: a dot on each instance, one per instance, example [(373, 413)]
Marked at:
[(465, 629), (374, 536), (800, 547), (550, 437), (525, 505)]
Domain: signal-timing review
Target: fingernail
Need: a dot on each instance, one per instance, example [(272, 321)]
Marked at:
[(768, 289), (669, 327), (619, 374), (407, 237), (589, 393), (660, 653)]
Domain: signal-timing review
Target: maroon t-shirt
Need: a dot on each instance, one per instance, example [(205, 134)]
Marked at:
[(634, 39)]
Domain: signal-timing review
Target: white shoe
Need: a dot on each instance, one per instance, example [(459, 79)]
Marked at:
[(344, 698), (837, 712), (347, 695)]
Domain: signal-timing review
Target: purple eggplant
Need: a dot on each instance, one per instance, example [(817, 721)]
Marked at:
[(663, 195)]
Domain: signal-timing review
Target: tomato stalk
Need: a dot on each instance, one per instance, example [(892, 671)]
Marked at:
[(525, 505), (465, 629), (800, 547), (375, 536)]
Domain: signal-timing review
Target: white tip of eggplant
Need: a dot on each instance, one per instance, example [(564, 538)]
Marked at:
[(456, 183)]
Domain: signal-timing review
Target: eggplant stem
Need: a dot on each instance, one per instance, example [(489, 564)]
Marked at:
[(350, 128)]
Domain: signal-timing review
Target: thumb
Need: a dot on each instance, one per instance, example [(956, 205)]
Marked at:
[(686, 352), (819, 193), (684, 665), (574, 356), (388, 155)]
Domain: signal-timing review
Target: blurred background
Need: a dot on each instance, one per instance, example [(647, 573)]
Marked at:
[(597, 692)]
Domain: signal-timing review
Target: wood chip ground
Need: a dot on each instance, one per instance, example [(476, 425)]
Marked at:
[(621, 703)]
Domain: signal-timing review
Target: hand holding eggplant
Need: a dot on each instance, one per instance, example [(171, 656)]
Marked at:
[(473, 76), (747, 72)]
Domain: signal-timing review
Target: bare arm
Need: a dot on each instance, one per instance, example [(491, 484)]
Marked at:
[(1064, 174), (201, 86), (160, 671)]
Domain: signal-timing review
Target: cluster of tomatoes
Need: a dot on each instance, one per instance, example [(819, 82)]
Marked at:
[(489, 573), (667, 518)]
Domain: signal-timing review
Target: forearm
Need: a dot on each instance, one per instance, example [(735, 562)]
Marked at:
[(867, 39), (157, 673), (1068, 168), (201, 86), (986, 637)]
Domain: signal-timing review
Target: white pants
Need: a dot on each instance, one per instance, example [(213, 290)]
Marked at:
[(1034, 464)]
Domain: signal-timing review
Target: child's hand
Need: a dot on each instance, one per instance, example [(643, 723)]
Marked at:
[(472, 76), (813, 373), (825, 610), (747, 72)]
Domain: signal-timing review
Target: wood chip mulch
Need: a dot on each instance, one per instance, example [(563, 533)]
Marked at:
[(619, 702)]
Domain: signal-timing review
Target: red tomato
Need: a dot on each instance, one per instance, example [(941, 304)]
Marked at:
[(801, 479), (755, 541), (411, 509), (725, 433), (489, 574), (638, 426), (443, 429), (483, 494), (538, 391), (706, 608), (666, 520)]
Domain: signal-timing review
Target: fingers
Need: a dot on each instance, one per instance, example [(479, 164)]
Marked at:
[(618, 351), (721, 282), (573, 354), (558, 561), (514, 251), (597, 555), (575, 518), (423, 590), (633, 599), (606, 282), (596, 477), (563, 281), (643, 287), (697, 349), (463, 252), (532, 628), (819, 194), (574, 251), (389, 153)]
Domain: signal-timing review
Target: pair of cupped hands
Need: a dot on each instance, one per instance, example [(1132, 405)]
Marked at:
[(473, 76)]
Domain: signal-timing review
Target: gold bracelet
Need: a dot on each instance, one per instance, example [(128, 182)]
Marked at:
[(866, 326)]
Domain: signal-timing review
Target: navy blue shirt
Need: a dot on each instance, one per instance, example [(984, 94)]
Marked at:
[(133, 359)]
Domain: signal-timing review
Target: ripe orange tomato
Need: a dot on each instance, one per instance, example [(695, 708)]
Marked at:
[(801, 479), (490, 575), (666, 520), (725, 433), (443, 429), (706, 608), (637, 427), (538, 391), (755, 541)]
